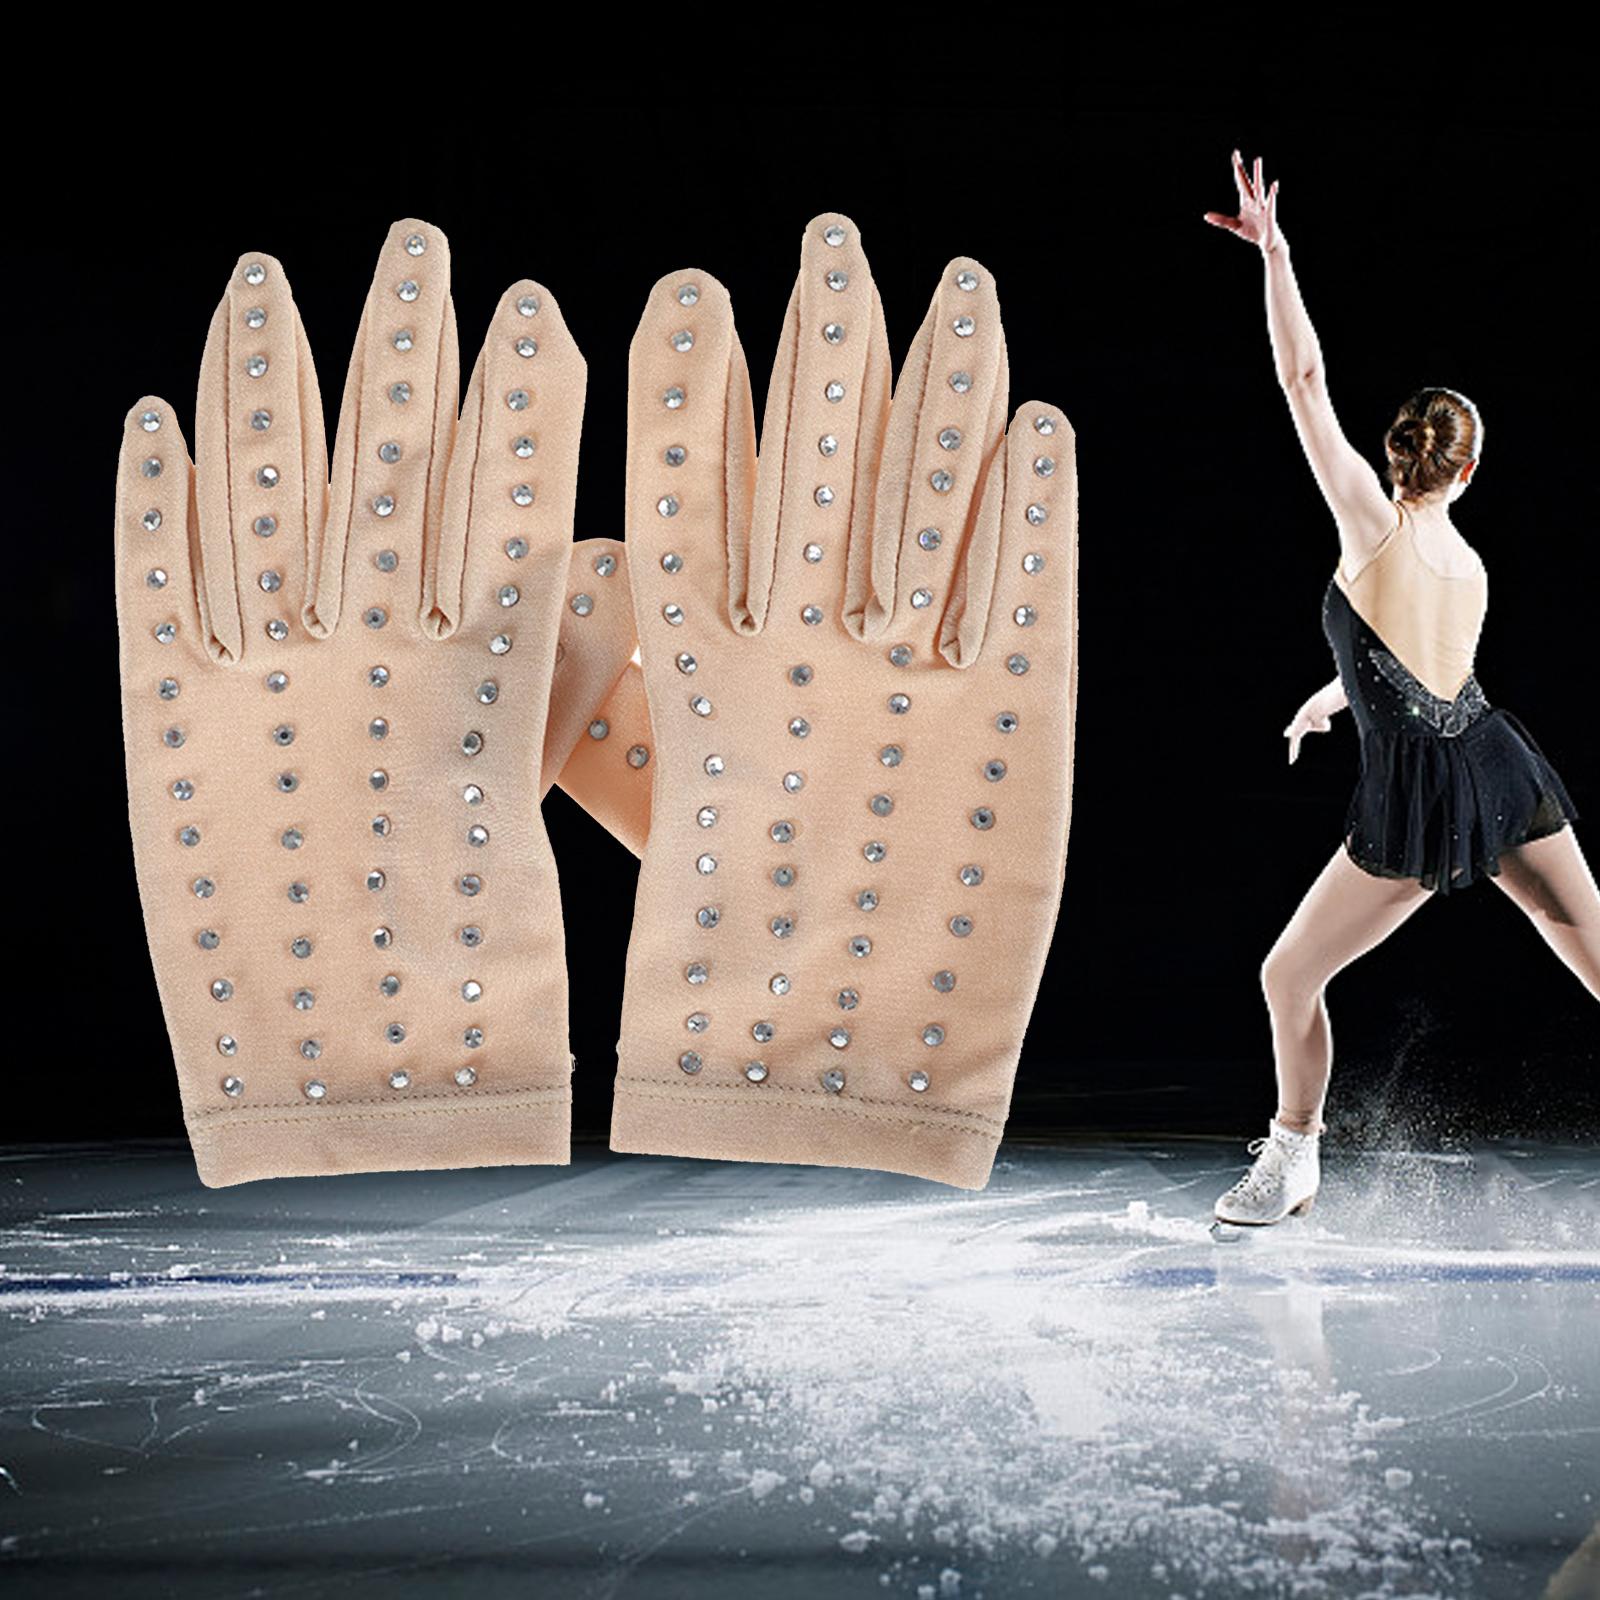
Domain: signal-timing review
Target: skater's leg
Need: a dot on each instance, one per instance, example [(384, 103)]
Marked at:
[(1551, 881), (1345, 912)]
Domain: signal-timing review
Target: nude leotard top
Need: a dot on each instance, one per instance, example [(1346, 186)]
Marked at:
[(1429, 620)]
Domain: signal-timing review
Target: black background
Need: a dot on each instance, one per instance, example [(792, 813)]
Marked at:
[(1442, 233)]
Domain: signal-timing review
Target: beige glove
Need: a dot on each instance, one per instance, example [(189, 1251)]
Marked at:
[(861, 664), (333, 708)]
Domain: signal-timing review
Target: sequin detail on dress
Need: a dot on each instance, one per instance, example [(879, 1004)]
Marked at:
[(1445, 717)]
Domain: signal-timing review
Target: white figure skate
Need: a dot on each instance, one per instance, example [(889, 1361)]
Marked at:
[(1282, 1182)]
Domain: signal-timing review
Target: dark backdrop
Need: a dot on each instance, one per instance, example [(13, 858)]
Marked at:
[(1440, 235)]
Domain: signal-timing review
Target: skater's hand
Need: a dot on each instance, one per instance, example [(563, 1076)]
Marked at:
[(1312, 717), (1257, 221)]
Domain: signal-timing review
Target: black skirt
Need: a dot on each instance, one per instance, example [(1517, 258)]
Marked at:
[(1445, 785)]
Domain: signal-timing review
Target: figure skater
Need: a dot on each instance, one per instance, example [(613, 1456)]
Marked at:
[(1451, 789)]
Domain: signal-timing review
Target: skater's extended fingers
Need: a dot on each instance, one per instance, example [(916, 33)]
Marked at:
[(396, 422), (513, 473), (827, 407), (946, 425), (262, 467), (691, 460), (158, 612)]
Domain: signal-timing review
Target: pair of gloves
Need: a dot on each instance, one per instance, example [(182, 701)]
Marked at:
[(845, 753)]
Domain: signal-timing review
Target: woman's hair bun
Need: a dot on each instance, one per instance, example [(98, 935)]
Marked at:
[(1434, 437)]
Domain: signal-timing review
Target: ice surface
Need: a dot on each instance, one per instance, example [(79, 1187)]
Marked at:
[(639, 1377)]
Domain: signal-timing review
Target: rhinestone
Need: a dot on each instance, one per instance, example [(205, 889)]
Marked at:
[(150, 421), (700, 705), (824, 495), (471, 937), (471, 743), (403, 341), (173, 738), (811, 616), (867, 900), (783, 877), (487, 692), (526, 347), (706, 816), (813, 553), (399, 393), (941, 482), (638, 756), (311, 1049), (675, 455), (833, 234), (696, 972), (994, 771), (967, 280), (697, 1022), (706, 865), (255, 273), (375, 616), (152, 467), (671, 562), (508, 595), (517, 400), (156, 578), (837, 281), (794, 782), (386, 560), (287, 783), (881, 805), (304, 999), (1007, 722), (673, 614), (1044, 466), (315, 1089), (522, 495), (277, 629), (233, 1087), (834, 333), (381, 826), (667, 505), (972, 876), (875, 851), (682, 341), (982, 819), (755, 1071), (779, 984), (221, 989), (899, 704), (168, 689), (839, 1038), (471, 990), (860, 946), (827, 445), (686, 662), (470, 884), (599, 729), (256, 366), (833, 1080), (930, 538), (944, 981), (166, 632), (964, 327), (400, 1079), (208, 938), (271, 582), (292, 839), (900, 655), (472, 1039), (1037, 516), (1024, 616), (918, 1081), (528, 305), (375, 880), (799, 727), (299, 893), (782, 927), (891, 756), (378, 779), (604, 566), (300, 948), (377, 676), (465, 1077), (1016, 665), (522, 448), (395, 1033), (1032, 563), (708, 916), (672, 399), (151, 520), (933, 1034), (189, 836), (690, 1061), (950, 438), (500, 645), (715, 766), (183, 790), (277, 682), (407, 290), (961, 382), (921, 599), (688, 294), (834, 393), (961, 926), (477, 836)]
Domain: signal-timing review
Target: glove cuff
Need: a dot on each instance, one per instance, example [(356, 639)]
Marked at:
[(767, 1122), (522, 1127)]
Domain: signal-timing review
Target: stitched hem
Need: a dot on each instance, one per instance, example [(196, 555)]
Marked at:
[(531, 1127), (760, 1122)]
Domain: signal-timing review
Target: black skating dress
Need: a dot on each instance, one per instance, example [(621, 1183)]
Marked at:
[(1445, 785)]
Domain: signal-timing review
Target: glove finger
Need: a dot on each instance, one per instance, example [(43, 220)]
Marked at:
[(608, 772), (396, 424), (261, 478), (691, 459), (944, 430), (157, 572), (827, 405)]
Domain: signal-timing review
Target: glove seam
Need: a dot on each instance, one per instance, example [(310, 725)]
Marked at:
[(412, 1107)]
